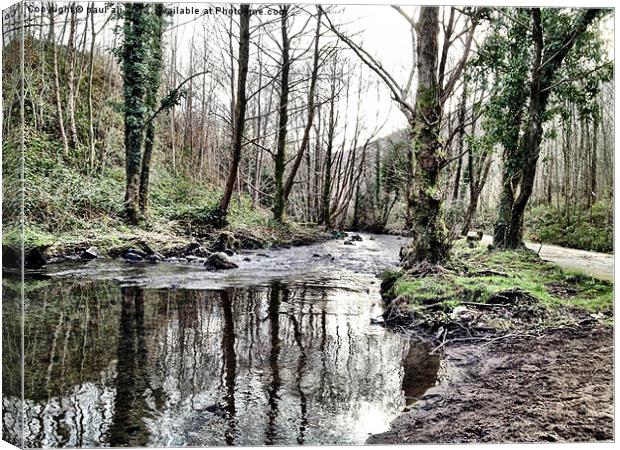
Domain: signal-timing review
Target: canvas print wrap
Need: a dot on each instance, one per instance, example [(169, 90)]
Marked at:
[(302, 224)]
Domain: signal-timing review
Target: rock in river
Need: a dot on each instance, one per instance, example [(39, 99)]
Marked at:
[(91, 253), (195, 249), (35, 259), (12, 257), (134, 255), (155, 258), (219, 261)]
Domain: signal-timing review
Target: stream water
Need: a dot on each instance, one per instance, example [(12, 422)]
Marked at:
[(280, 351)]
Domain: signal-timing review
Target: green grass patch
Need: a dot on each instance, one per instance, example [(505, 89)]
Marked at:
[(480, 274)]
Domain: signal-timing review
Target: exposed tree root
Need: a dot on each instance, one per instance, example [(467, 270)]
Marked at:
[(424, 269)]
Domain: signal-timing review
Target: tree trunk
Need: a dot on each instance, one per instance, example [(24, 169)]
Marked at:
[(153, 81), (327, 177), (240, 107), (135, 56), (279, 203), (549, 182), (530, 141), (91, 66), (429, 234), (461, 144), (509, 228), (305, 140), (327, 166), (593, 162), (57, 97), (71, 57), (476, 187)]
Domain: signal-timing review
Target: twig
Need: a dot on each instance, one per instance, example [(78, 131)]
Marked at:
[(482, 273), (487, 341), (498, 338)]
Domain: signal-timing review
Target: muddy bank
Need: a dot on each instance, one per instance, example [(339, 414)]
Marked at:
[(558, 387)]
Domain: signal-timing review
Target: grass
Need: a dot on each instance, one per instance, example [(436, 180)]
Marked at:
[(162, 233), (550, 285), (68, 208)]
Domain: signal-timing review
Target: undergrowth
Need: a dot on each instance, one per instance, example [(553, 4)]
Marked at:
[(583, 228), (477, 275), (67, 204)]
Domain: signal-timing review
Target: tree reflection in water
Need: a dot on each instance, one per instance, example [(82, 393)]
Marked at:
[(230, 363), (132, 385), (288, 363)]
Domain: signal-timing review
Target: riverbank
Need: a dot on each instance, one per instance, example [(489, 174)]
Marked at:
[(527, 350), (551, 388), (76, 209), (482, 294), (169, 241)]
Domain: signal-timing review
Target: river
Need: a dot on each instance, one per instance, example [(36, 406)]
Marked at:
[(280, 351)]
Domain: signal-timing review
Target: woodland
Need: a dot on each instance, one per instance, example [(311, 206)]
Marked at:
[(506, 114), (224, 185)]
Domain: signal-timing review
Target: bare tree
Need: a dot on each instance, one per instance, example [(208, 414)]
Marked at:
[(426, 156), (240, 107)]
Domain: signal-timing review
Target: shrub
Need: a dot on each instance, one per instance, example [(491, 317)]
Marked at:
[(587, 229)]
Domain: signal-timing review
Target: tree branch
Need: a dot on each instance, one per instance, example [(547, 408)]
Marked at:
[(172, 94)]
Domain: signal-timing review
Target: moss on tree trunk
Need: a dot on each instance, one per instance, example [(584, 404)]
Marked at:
[(430, 235), (520, 162), (153, 80), (279, 204)]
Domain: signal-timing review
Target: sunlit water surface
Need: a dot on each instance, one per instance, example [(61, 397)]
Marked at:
[(280, 351)]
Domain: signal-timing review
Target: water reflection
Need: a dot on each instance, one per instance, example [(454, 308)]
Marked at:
[(12, 423), (288, 363), (131, 384)]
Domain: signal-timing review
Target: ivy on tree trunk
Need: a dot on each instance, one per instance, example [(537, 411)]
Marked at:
[(153, 80), (520, 162), (135, 56)]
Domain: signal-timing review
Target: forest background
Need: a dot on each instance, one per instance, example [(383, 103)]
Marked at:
[(326, 139)]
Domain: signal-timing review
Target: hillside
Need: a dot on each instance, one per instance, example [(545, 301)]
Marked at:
[(70, 206)]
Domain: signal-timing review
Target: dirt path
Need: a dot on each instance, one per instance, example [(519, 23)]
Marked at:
[(546, 389), (599, 265)]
